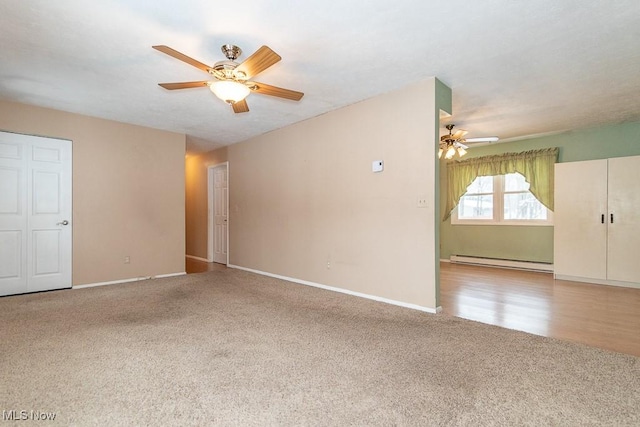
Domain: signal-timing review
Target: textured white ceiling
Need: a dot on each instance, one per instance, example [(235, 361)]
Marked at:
[(516, 67)]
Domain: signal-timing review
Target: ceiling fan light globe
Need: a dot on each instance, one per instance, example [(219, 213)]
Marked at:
[(229, 91), (451, 151), (440, 152), (461, 151)]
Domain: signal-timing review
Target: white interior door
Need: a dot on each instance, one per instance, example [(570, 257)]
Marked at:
[(220, 213), (580, 229), (624, 219), (35, 214)]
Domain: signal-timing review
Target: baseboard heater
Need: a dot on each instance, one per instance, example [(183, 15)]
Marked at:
[(502, 263)]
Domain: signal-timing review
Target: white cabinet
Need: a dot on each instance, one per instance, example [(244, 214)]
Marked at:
[(579, 235), (597, 221)]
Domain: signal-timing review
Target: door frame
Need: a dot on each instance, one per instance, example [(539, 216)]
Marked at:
[(211, 229)]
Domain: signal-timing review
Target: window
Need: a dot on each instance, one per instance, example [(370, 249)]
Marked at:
[(536, 165), (477, 202), (500, 200)]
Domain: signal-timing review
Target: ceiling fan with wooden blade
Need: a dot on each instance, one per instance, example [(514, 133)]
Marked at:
[(455, 142), (231, 79)]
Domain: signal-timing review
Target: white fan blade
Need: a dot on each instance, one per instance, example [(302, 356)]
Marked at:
[(485, 139)]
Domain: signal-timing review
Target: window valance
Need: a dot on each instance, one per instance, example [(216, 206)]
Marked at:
[(536, 166)]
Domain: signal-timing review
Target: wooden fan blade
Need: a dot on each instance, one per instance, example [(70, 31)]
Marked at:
[(240, 106), (265, 89), (182, 57), (261, 59), (459, 134), (183, 85)]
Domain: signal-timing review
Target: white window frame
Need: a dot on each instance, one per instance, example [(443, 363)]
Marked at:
[(498, 210)]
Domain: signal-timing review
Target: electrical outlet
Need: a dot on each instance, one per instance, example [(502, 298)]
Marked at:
[(127, 259), (422, 201)]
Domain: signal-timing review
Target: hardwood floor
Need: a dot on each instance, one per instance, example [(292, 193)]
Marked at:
[(601, 316), (196, 266)]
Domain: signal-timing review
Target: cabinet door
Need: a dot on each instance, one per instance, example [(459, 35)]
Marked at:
[(580, 237), (624, 230)]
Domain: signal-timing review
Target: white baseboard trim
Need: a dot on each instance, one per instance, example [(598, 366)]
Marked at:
[(597, 281), (502, 263), (135, 279), (341, 290), (162, 276), (197, 258)]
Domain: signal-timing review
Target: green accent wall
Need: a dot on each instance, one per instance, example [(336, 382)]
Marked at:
[(443, 98), (532, 243)]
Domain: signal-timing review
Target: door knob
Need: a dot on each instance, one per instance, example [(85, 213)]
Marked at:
[(65, 222)]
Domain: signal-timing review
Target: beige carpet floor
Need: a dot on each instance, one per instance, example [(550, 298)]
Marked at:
[(234, 348)]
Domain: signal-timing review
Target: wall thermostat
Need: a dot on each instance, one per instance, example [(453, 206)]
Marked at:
[(377, 166)]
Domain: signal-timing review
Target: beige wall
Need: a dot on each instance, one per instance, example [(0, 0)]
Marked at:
[(197, 199), (128, 192), (305, 204)]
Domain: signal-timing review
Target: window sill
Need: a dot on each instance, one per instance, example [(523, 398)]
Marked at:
[(504, 223)]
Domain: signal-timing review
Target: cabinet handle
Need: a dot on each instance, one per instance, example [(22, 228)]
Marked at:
[(602, 219), (611, 218)]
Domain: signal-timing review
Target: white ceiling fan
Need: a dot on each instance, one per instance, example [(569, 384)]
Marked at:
[(455, 142)]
